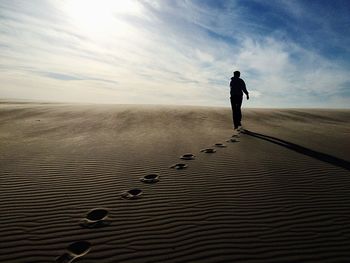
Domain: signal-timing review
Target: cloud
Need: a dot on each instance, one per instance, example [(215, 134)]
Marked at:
[(169, 52)]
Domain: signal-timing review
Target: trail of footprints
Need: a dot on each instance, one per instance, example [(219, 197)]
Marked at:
[(98, 217)]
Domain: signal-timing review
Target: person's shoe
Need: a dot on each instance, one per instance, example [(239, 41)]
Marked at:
[(240, 128)]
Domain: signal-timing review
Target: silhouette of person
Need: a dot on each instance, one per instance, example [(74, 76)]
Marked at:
[(237, 86)]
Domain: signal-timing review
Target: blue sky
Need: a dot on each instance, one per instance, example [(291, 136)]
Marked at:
[(290, 53)]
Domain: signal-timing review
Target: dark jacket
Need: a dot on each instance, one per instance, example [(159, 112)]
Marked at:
[(237, 87)]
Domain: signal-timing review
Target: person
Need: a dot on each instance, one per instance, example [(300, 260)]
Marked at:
[(237, 86)]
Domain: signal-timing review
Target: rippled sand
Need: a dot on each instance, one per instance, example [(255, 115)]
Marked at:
[(280, 193)]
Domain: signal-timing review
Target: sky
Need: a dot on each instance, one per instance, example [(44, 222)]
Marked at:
[(290, 53)]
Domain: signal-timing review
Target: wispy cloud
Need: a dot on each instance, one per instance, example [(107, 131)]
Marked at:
[(174, 52)]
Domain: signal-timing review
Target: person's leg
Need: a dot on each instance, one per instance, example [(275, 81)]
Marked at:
[(234, 110), (239, 112), (236, 115)]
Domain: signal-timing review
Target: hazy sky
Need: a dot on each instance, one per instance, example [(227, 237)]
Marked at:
[(290, 53)]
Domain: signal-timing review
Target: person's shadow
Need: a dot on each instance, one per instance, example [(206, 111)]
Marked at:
[(300, 149)]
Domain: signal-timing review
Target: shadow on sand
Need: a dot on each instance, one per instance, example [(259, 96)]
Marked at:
[(300, 149)]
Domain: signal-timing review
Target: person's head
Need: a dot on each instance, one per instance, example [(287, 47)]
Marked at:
[(236, 74)]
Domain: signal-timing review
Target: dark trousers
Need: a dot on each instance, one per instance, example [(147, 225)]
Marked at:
[(236, 103)]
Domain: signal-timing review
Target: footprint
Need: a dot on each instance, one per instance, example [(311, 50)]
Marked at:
[(208, 150), (97, 217), (188, 156), (132, 194), (74, 251), (221, 145), (232, 140), (179, 166), (150, 179)]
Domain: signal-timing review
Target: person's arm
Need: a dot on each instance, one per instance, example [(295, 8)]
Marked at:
[(244, 89)]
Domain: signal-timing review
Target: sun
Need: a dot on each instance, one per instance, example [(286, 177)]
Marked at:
[(100, 17)]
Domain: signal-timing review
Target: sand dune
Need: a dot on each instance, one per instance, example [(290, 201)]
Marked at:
[(279, 194)]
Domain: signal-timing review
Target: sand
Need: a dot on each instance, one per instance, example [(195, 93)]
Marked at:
[(282, 198)]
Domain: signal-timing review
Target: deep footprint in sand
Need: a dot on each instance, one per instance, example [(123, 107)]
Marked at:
[(208, 150), (97, 217), (132, 194), (74, 251), (179, 166), (150, 179), (220, 145), (188, 156), (232, 140)]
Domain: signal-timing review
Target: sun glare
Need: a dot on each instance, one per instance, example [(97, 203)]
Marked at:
[(100, 17)]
